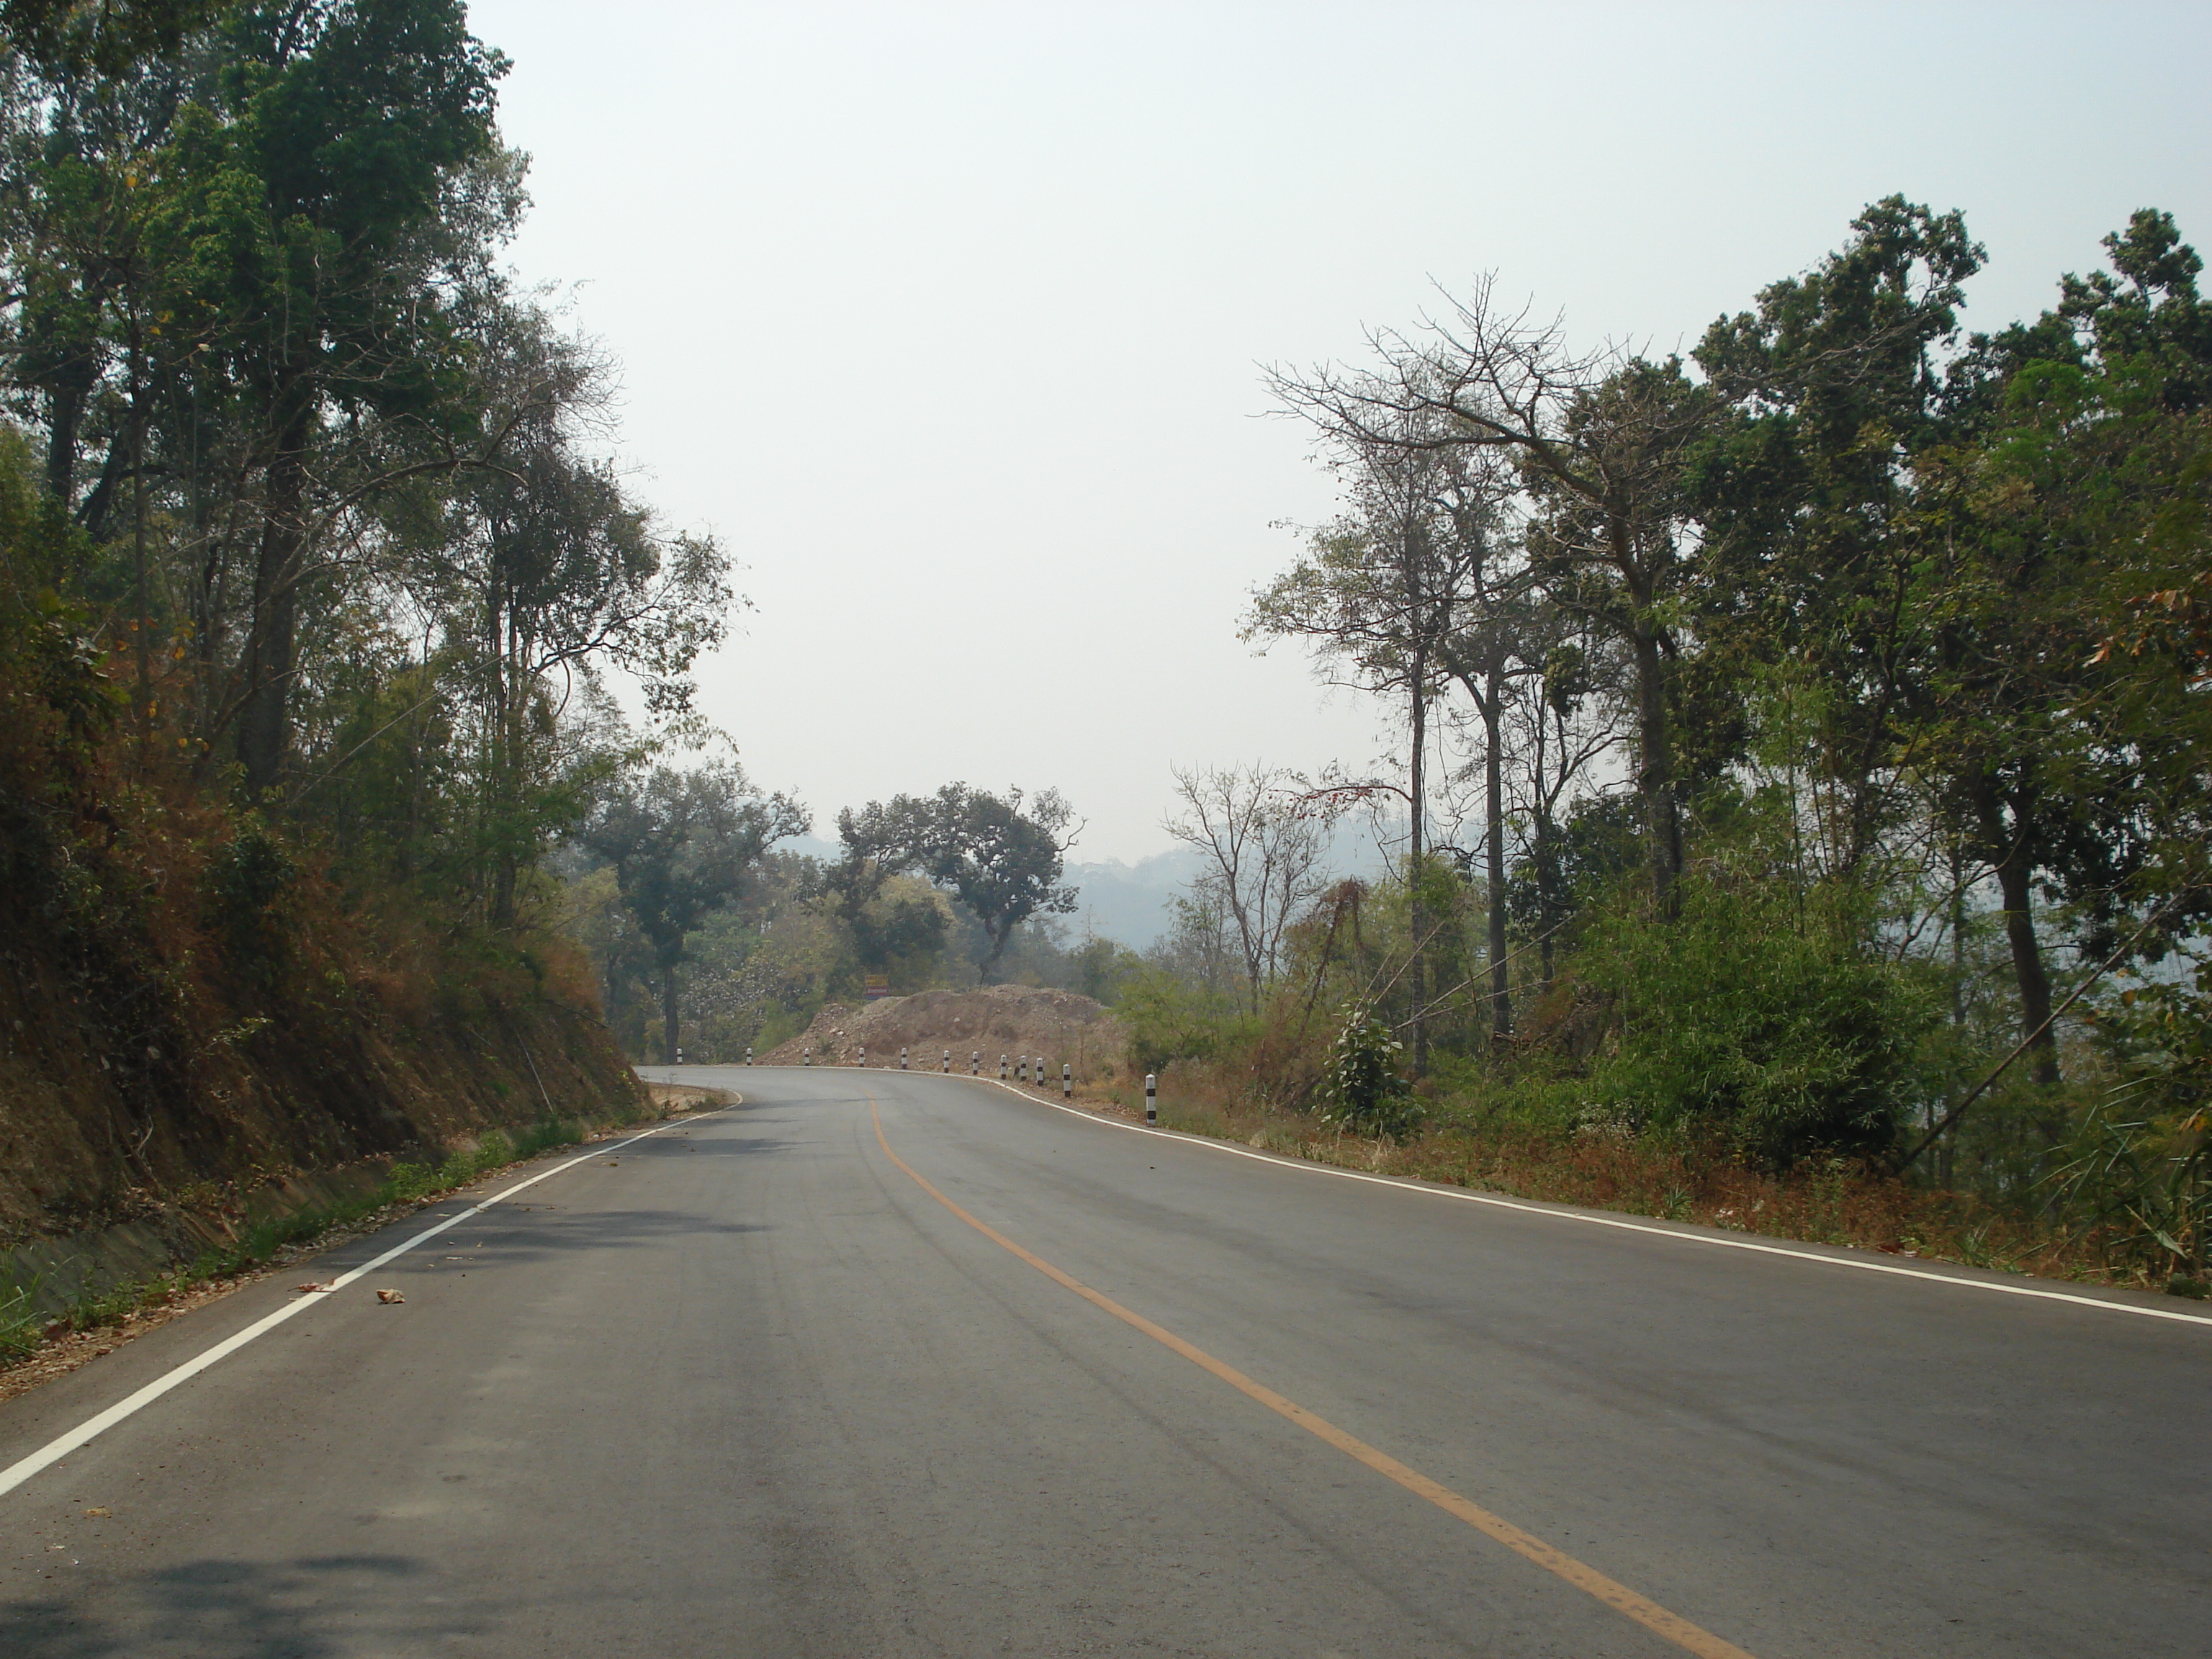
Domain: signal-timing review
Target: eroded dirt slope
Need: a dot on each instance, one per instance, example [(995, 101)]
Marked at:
[(998, 1020)]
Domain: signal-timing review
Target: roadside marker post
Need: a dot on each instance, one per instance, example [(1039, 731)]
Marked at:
[(975, 1062), (948, 1062), (1002, 1068), (1066, 1081), (864, 1057), (679, 1053), (807, 1058), (748, 1053), (1151, 1099), (901, 1057)]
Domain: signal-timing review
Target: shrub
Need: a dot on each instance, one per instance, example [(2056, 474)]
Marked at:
[(1361, 1087), (1786, 1038), (1168, 1018)]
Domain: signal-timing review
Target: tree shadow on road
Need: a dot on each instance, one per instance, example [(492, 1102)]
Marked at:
[(305, 1609)]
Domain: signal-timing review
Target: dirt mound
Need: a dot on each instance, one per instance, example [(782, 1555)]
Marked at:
[(1013, 1020)]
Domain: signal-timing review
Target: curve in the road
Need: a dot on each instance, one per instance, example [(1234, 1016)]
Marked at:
[(1554, 1212)]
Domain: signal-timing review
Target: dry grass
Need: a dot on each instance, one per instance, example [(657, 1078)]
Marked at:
[(1824, 1203)]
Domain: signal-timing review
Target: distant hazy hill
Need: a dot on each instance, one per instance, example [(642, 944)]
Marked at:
[(1128, 902)]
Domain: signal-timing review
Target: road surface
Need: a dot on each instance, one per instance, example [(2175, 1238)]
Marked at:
[(1006, 1379)]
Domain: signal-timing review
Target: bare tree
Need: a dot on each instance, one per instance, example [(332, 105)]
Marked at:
[(1378, 592), (1598, 439), (1263, 858), (1487, 650), (1561, 734)]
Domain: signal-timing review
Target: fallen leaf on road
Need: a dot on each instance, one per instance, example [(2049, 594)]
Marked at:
[(311, 1286), (98, 1510), (390, 1296)]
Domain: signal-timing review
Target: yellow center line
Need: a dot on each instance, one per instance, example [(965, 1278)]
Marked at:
[(1691, 1637)]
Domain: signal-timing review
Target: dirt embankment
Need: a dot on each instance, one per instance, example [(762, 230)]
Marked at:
[(1013, 1020), (96, 1132)]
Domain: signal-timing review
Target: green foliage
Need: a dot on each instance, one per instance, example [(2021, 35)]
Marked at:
[(1103, 970), (19, 1318), (2142, 1188), (2137, 1176), (1168, 1018), (249, 885), (1778, 1031), (1001, 863), (1363, 1088)]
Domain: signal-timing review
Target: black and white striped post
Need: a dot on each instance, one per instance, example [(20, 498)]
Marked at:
[(948, 1062), (1151, 1099), (807, 1058), (1022, 1069), (1066, 1081), (901, 1057), (1002, 1068), (748, 1054), (975, 1062), (864, 1057)]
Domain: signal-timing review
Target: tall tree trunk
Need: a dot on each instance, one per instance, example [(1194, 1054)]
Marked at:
[(1655, 771), (668, 1009), (504, 782), (143, 633), (2013, 882), (1542, 850), (1493, 780), (272, 647), (65, 414), (2007, 846), (1958, 937), (1417, 979)]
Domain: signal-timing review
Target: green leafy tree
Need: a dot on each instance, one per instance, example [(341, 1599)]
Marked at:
[(1362, 1088), (1001, 863), (296, 250), (682, 845), (1807, 487)]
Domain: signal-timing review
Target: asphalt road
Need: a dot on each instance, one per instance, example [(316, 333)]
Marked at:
[(747, 1387)]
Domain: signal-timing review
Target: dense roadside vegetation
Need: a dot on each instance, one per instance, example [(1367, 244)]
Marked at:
[(1803, 779), (318, 575)]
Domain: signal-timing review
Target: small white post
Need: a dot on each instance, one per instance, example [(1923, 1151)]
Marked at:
[(864, 1057), (901, 1057), (748, 1053), (807, 1058), (1066, 1081), (975, 1062), (1151, 1098), (1002, 1068), (948, 1062), (679, 1053)]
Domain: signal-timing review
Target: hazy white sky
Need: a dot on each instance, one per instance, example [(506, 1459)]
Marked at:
[(946, 318)]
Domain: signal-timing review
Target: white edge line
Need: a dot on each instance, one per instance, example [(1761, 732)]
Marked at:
[(54, 1450), (1208, 1144)]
